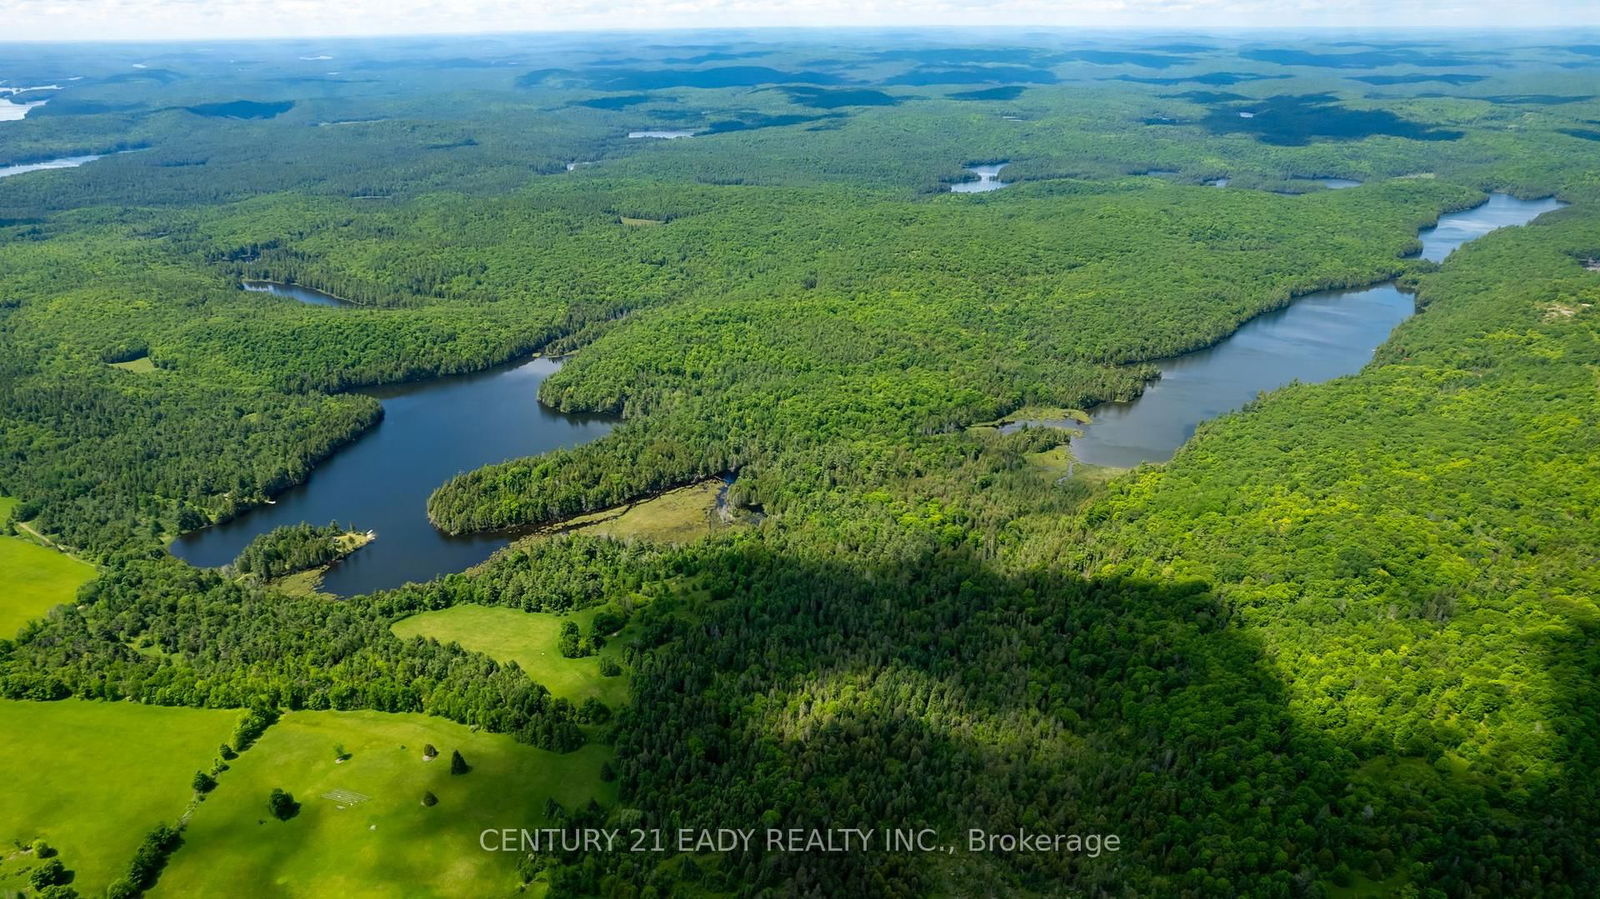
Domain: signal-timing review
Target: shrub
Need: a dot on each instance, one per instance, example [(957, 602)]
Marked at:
[(593, 711), (282, 805), (254, 723), (608, 621), (48, 874), (569, 643)]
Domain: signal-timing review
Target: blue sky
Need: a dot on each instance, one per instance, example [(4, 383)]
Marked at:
[(145, 19)]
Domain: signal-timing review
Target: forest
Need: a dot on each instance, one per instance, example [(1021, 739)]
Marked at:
[(1339, 645), (296, 548)]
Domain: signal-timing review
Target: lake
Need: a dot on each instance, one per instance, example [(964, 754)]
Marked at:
[(65, 162), (988, 179), (12, 111), (660, 135), (1318, 337), (1502, 211), (430, 432), (307, 295)]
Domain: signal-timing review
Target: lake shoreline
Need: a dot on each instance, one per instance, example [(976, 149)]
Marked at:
[(1450, 235), (286, 289), (379, 477)]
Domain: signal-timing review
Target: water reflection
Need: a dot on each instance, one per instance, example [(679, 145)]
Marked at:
[(430, 432), (988, 179), (1318, 337)]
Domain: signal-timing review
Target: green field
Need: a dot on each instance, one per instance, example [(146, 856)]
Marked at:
[(676, 516), (33, 578), (389, 844), (527, 638), (91, 778), (141, 365)]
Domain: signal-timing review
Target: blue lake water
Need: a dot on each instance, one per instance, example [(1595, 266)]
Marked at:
[(430, 432), (307, 295), (1316, 338), (988, 179), (65, 162)]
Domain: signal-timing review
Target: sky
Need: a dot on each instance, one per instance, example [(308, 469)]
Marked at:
[(210, 19)]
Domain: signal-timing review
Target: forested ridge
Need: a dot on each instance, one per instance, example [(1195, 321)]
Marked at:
[(919, 329), (1340, 645), (561, 272)]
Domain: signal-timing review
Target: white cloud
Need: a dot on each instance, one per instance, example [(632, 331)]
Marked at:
[(147, 19)]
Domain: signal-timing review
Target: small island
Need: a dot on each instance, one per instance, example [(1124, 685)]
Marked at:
[(294, 557)]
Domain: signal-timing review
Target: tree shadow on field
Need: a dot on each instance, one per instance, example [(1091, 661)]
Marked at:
[(796, 693), (792, 692)]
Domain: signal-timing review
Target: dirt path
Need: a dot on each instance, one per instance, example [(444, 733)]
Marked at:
[(41, 538)]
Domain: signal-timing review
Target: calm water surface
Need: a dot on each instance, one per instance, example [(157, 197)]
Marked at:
[(65, 162), (1318, 337), (307, 295), (12, 111), (430, 432), (1501, 211), (988, 179)]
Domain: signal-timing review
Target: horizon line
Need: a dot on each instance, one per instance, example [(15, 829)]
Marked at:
[(1568, 29)]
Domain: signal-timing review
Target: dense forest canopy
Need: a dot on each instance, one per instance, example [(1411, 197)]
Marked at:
[(1340, 645)]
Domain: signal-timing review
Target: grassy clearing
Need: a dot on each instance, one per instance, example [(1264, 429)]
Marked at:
[(350, 541), (1058, 463), (141, 365), (527, 638), (1040, 414), (677, 516), (306, 583), (641, 222), (34, 578), (92, 778), (389, 844)]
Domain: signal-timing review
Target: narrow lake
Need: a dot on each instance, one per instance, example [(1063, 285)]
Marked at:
[(12, 111), (1316, 338), (988, 179), (65, 162), (307, 295), (430, 431)]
